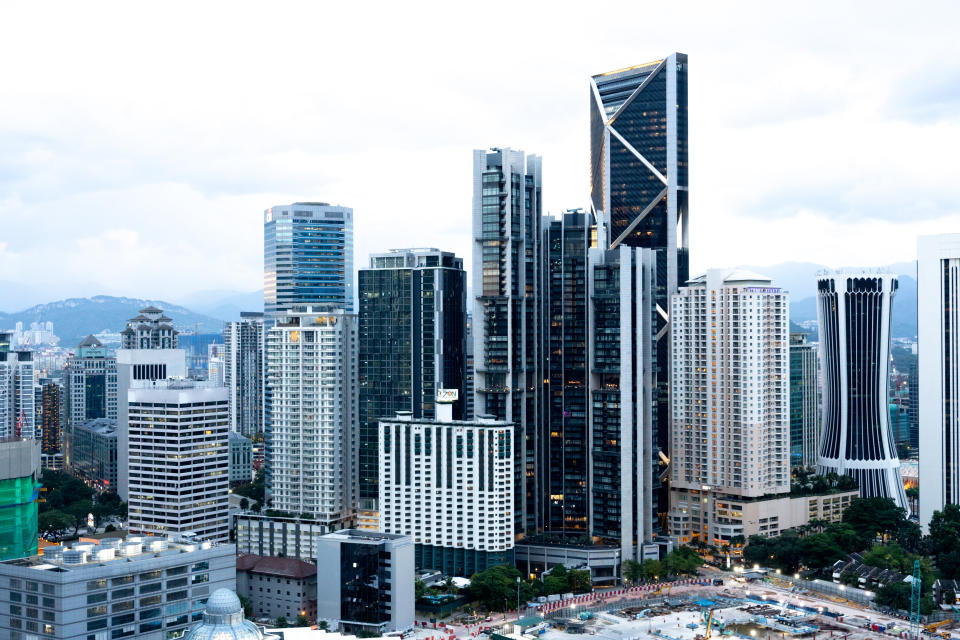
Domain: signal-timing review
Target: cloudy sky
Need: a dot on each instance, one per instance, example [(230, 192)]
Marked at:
[(138, 148)]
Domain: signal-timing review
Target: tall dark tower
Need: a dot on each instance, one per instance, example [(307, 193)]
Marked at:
[(639, 189)]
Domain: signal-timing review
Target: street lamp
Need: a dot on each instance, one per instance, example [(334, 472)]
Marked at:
[(518, 597)]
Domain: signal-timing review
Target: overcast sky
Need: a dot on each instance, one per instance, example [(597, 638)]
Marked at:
[(139, 148)]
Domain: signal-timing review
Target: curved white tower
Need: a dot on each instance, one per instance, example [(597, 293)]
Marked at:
[(853, 312)]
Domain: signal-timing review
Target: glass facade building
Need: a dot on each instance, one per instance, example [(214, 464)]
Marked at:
[(412, 342), (804, 412), (507, 327), (565, 435), (639, 187), (307, 256)]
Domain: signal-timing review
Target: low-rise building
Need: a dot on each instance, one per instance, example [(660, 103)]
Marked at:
[(93, 452), (278, 586), (141, 587), (367, 581), (277, 536), (241, 458)]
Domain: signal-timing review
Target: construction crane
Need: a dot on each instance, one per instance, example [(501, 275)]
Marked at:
[(707, 635), (915, 602)]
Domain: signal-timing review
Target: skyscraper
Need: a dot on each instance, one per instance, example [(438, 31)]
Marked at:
[(312, 369), (938, 312), (151, 329), (853, 314), (90, 378), (507, 331), (639, 185), (243, 372), (178, 459), (51, 394), (623, 474), (565, 437), (307, 257), (730, 401), (411, 343), (17, 400), (804, 414)]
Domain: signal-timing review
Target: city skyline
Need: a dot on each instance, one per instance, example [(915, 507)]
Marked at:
[(161, 179)]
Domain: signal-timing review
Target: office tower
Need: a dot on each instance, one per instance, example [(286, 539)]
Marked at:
[(449, 485), (507, 272), (93, 452), (178, 475), (151, 329), (938, 364), (566, 451), (622, 351), (411, 343), (307, 257), (913, 416), (198, 347), (19, 489), (150, 355), (17, 400), (243, 372), (51, 416), (140, 587), (241, 458), (639, 187), (730, 391), (853, 314), (90, 379), (223, 618), (368, 581), (804, 412), (312, 369)]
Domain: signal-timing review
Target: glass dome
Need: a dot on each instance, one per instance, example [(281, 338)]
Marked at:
[(223, 620)]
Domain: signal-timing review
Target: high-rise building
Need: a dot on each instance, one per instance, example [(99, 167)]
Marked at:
[(853, 313), (307, 257), (148, 588), (804, 409), (243, 372), (938, 364), (412, 319), (241, 458), (93, 451), (312, 369), (624, 471), (136, 366), (368, 581), (449, 485), (178, 459), (469, 383), (507, 273), (19, 489), (566, 440), (17, 399), (639, 186), (51, 416), (730, 391), (151, 329), (90, 379)]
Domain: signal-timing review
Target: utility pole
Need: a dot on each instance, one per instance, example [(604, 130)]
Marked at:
[(518, 597)]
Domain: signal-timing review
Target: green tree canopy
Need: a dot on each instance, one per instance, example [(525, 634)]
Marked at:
[(872, 517), (496, 587)]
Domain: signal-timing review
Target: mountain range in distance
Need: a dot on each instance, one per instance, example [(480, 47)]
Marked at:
[(206, 311)]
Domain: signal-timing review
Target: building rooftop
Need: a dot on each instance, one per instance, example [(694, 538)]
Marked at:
[(363, 535), (103, 426), (278, 567), (81, 556), (90, 341)]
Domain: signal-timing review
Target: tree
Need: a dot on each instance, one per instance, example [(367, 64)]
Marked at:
[(244, 504), (419, 588), (872, 517), (281, 622), (683, 561), (653, 569), (449, 585), (886, 556), (254, 490), (302, 621), (632, 571), (324, 625), (557, 581), (945, 530), (844, 536), (949, 565), (246, 604), (897, 596), (53, 525), (579, 581), (496, 587), (821, 549), (79, 511)]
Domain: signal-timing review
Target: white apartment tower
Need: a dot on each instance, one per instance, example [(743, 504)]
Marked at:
[(730, 400), (448, 484), (178, 460), (17, 401), (312, 443), (243, 372), (938, 312)]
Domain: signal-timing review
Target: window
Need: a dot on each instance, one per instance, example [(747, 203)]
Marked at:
[(99, 610), (176, 571), (96, 584), (94, 598)]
